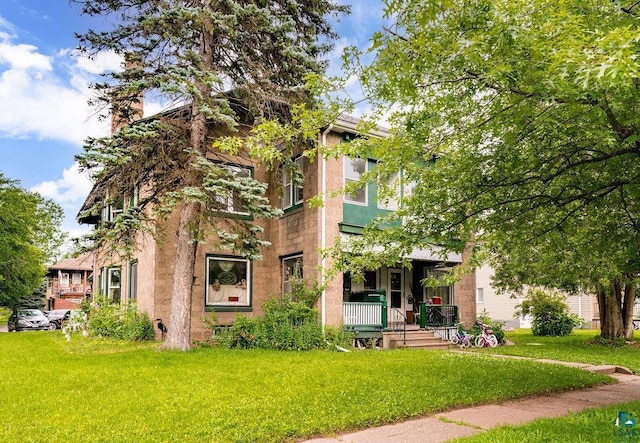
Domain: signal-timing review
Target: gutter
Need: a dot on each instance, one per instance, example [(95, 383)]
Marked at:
[(323, 228)]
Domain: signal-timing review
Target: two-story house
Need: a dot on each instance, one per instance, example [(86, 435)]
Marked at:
[(231, 285), (69, 282)]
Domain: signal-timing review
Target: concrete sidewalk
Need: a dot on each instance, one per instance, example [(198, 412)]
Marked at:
[(465, 422)]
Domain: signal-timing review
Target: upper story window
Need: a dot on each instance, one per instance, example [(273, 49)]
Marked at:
[(116, 204), (114, 207), (134, 198), (230, 200), (353, 170), (393, 185), (292, 192)]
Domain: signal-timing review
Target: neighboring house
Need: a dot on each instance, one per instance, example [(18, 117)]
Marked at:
[(501, 307), (232, 285), (69, 282)]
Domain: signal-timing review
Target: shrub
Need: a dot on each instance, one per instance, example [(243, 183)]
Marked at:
[(550, 313), (286, 325), (289, 323), (108, 319), (338, 338)]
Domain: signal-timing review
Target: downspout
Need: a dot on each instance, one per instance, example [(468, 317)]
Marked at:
[(580, 305), (323, 228)]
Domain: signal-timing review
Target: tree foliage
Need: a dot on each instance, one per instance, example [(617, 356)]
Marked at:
[(191, 53), (29, 237), (516, 123)]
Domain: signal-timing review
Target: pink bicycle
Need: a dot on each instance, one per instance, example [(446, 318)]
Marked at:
[(486, 338)]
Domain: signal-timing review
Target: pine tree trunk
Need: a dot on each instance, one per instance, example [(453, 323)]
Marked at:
[(179, 327)]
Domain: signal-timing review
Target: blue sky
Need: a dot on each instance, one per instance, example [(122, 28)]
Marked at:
[(44, 88)]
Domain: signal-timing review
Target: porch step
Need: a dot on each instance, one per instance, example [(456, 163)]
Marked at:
[(418, 339)]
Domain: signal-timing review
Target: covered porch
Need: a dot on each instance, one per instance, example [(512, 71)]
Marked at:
[(375, 323)]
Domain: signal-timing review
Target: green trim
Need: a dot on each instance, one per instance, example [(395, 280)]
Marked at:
[(130, 280), (228, 309), (293, 208), (348, 228)]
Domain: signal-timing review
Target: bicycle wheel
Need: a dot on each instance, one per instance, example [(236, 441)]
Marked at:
[(492, 341), (465, 342), (480, 343), (455, 339)]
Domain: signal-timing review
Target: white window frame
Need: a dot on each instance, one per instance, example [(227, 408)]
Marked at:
[(480, 295), (298, 265), (110, 285), (298, 190), (227, 201), (115, 209), (393, 203), (349, 173), (76, 278), (292, 194), (234, 293)]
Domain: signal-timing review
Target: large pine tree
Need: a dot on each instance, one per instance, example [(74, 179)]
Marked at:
[(191, 53)]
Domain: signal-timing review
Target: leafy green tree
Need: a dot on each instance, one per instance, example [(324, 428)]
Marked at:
[(191, 52), (516, 124), (29, 237)]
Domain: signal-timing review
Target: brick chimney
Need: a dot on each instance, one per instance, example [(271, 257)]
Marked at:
[(132, 107)]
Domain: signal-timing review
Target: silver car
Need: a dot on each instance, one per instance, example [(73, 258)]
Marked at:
[(29, 320)]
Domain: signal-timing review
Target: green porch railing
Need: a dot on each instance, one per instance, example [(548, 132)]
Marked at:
[(437, 315)]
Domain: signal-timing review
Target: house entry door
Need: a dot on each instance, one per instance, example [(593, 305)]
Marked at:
[(395, 294)]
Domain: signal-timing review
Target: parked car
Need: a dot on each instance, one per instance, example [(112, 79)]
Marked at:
[(58, 317), (28, 320)]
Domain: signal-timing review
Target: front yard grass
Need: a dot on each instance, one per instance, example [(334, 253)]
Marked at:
[(582, 346), (4, 315), (98, 391), (590, 426)]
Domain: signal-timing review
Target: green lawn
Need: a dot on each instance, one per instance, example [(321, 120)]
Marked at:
[(98, 391), (581, 346), (4, 315), (589, 426)]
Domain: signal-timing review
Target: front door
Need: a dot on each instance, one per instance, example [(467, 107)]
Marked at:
[(396, 299)]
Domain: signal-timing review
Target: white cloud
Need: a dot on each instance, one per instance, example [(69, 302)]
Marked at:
[(102, 62), (48, 95), (73, 187), (21, 57), (69, 192)]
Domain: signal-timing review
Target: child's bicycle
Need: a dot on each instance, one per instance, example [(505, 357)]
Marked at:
[(486, 337), (461, 337)]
